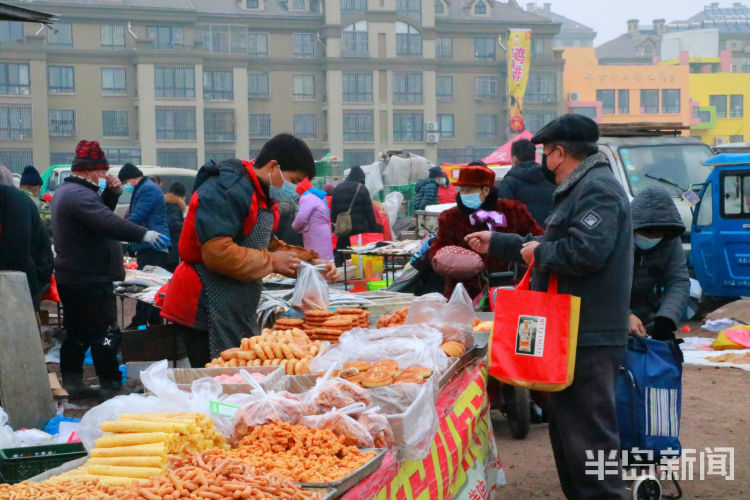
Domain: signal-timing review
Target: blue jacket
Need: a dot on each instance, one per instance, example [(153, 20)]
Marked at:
[(148, 209)]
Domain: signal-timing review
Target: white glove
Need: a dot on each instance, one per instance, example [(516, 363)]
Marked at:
[(157, 239)]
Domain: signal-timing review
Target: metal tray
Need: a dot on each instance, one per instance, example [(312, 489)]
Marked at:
[(328, 493), (458, 365), (347, 482)]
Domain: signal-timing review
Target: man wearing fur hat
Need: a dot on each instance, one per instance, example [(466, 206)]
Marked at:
[(87, 236)]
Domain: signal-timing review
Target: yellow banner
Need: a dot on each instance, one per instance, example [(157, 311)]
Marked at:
[(519, 64)]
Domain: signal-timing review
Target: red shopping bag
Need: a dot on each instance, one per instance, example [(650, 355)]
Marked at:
[(534, 340)]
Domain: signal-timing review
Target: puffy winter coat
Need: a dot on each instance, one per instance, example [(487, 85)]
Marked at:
[(526, 183), (661, 283), (175, 219), (425, 193), (363, 215), (147, 209), (313, 220)]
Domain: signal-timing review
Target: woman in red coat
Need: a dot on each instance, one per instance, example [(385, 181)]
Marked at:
[(478, 208)]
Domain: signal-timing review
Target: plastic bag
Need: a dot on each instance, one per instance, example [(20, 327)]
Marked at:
[(8, 438), (263, 407), (412, 414), (378, 427), (311, 289), (392, 206), (89, 430), (333, 393), (422, 348), (340, 422), (453, 318)]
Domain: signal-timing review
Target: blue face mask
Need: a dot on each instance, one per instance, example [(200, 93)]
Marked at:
[(128, 188), (646, 243), (102, 183), (442, 181), (471, 201)]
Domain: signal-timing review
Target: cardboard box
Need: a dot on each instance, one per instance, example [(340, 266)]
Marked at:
[(274, 380)]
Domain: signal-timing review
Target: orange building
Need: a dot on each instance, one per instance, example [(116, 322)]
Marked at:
[(623, 94)]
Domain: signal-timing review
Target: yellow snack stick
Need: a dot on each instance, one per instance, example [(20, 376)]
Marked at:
[(140, 450), (110, 440), (130, 426), (155, 461), (128, 472), (112, 480)]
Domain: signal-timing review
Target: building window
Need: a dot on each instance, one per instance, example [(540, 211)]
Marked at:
[(484, 48), (15, 122), (260, 126), (16, 159), (14, 79), (444, 48), (439, 7), (720, 103), (257, 45), (408, 127), (115, 123), (166, 37), (408, 41), (607, 98), (305, 126), (11, 32), (357, 87), (649, 102), (535, 120), (350, 8), (358, 126), (252, 4), (304, 86), (537, 47), (623, 101), (670, 101), (60, 35), (175, 123), (358, 156), (218, 85), (120, 156), (223, 39), (736, 106), (485, 87), (407, 87), (480, 8), (220, 155), (112, 36), (62, 122), (218, 125), (354, 40), (444, 86), (257, 85), (114, 81), (177, 158), (61, 79), (445, 126), (303, 45), (64, 158), (410, 8), (736, 138), (298, 5), (174, 81), (486, 127), (542, 87)]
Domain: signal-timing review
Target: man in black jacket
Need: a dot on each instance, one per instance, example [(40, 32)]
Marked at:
[(589, 246), (87, 235), (24, 243), (525, 182)]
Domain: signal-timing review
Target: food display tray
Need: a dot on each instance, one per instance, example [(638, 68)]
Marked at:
[(326, 493), (457, 365), (347, 482)]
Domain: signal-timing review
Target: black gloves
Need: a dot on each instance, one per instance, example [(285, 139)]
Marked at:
[(663, 329)]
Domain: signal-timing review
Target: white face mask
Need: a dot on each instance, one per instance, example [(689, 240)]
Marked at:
[(646, 243)]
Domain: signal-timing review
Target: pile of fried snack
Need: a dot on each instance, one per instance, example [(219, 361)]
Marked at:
[(381, 373), (290, 349)]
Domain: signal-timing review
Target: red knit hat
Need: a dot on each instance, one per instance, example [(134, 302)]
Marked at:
[(476, 175), (89, 156)]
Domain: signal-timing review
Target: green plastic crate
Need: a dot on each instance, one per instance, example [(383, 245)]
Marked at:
[(19, 464), (322, 169)]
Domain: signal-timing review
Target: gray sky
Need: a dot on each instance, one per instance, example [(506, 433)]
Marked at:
[(608, 17)]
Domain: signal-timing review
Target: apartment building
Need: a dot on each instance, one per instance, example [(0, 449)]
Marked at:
[(176, 82)]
